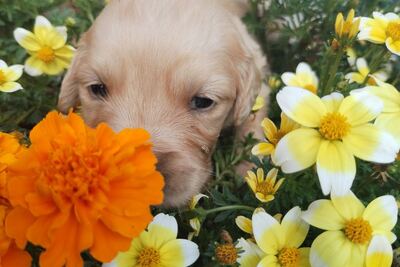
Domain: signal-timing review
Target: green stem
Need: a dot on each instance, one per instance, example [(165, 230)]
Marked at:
[(232, 207), (332, 72)]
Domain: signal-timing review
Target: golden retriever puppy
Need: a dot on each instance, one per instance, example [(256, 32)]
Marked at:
[(181, 69)]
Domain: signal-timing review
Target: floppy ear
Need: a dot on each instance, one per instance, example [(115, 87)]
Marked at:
[(69, 93), (251, 69)]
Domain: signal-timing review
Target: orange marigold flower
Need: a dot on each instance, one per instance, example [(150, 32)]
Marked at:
[(10, 254), (77, 188)]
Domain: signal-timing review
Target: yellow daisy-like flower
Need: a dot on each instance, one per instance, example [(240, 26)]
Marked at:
[(363, 73), (263, 187), (260, 102), (274, 82), (158, 247), (273, 135), (49, 53), (8, 77), (304, 78), (355, 235), (335, 129), (382, 29), (250, 254), (389, 119), (347, 28), (246, 225), (281, 241)]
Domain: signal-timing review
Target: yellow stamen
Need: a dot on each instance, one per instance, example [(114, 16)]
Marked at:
[(358, 231), (149, 257), (226, 254), (334, 126), (265, 188), (2, 77), (289, 257), (371, 81), (393, 30), (46, 54)]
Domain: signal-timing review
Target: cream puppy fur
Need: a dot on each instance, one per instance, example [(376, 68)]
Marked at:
[(181, 69)]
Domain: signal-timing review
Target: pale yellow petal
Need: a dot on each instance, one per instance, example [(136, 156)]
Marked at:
[(13, 73), (10, 87), (332, 102), (34, 66), (322, 214), (360, 108), (380, 253), (263, 149), (269, 128), (244, 224), (251, 255), (294, 228), (27, 39), (267, 232), (304, 257), (269, 261), (348, 206), (382, 213), (179, 253), (393, 46), (390, 123)]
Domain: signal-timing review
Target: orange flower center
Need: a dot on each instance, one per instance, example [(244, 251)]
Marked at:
[(334, 126), (73, 173), (289, 257), (2, 77), (149, 257), (393, 30), (46, 54), (265, 188), (358, 231), (226, 254)]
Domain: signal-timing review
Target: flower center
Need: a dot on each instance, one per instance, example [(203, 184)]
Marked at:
[(73, 173), (265, 188), (289, 257), (371, 81), (226, 254), (358, 231), (46, 54), (311, 88), (393, 30), (334, 126), (2, 77), (149, 257)]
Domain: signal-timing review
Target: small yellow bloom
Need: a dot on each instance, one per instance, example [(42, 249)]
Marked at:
[(195, 222), (347, 28), (382, 29), (304, 78), (260, 102), (335, 131), (244, 224), (273, 135), (158, 247), (355, 235), (195, 200), (363, 73), (8, 77), (49, 53), (263, 187), (274, 82), (281, 241)]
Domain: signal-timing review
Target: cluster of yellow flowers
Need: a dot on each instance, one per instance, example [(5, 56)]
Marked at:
[(48, 54)]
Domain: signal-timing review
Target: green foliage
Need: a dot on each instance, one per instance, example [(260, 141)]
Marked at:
[(289, 32)]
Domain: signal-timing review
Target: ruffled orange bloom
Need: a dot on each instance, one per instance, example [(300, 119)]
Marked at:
[(10, 254), (78, 188)]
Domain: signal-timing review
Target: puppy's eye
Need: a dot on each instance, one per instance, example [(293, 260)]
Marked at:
[(99, 89), (201, 102)]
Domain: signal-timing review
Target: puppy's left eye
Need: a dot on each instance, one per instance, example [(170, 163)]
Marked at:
[(201, 103), (99, 90)]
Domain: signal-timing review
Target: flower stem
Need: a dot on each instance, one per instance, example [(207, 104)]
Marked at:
[(327, 88), (231, 207)]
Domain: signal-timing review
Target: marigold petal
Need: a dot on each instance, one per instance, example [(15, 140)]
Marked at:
[(17, 223), (16, 257)]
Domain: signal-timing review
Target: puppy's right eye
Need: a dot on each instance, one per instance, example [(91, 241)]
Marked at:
[(99, 90)]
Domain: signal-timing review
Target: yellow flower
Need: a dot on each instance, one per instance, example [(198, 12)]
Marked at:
[(260, 102), (273, 135), (195, 222), (304, 77), (363, 73), (281, 241), (8, 77), (250, 254), (347, 28), (389, 119), (158, 246), (245, 223), (355, 236), (46, 46), (274, 82), (335, 129), (263, 187), (382, 29)]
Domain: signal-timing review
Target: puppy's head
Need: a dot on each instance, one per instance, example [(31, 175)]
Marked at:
[(180, 69)]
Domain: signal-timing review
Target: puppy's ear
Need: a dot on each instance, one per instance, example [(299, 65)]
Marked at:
[(251, 69), (69, 93), (237, 7)]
